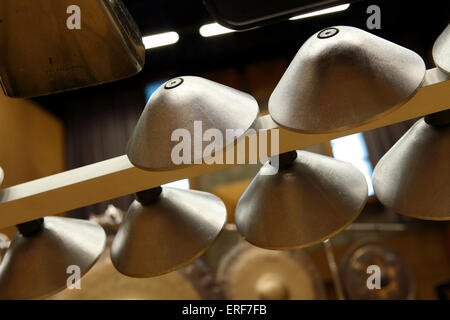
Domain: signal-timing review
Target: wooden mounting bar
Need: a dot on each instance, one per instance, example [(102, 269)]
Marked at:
[(117, 177)]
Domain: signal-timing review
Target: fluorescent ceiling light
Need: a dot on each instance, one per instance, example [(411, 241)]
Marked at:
[(160, 40), (213, 29), (341, 7)]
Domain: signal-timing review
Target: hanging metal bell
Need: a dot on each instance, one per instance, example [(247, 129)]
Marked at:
[(188, 106), (412, 177), (165, 229), (51, 46), (343, 77), (310, 199), (42, 254)]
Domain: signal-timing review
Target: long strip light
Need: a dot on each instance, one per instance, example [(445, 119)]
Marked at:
[(338, 8), (160, 39), (213, 29)]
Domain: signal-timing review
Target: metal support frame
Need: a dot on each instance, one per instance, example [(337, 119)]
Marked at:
[(117, 177)]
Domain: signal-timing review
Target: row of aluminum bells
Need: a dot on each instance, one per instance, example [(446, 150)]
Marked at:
[(310, 199), (246, 272)]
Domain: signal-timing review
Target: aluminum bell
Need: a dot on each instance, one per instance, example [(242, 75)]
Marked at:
[(38, 262), (412, 177), (188, 106), (49, 46), (310, 199), (441, 51), (165, 229), (343, 77)]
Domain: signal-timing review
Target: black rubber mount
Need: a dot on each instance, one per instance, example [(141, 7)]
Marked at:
[(30, 228), (438, 119), (328, 33), (173, 83), (285, 159), (149, 196)]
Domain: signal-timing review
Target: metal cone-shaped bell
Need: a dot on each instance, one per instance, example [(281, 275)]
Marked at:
[(49, 46), (413, 176), (180, 112), (343, 77), (441, 51), (45, 252), (309, 200), (165, 229)]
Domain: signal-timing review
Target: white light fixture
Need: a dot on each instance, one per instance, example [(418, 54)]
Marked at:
[(353, 149), (338, 8), (213, 29), (160, 40)]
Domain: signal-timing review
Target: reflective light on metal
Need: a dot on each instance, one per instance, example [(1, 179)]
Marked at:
[(441, 51), (213, 29), (334, 9), (412, 177)]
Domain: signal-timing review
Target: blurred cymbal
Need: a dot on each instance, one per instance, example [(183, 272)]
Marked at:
[(104, 282), (252, 273), (396, 278)]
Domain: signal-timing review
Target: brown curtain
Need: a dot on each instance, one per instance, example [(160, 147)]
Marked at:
[(98, 121)]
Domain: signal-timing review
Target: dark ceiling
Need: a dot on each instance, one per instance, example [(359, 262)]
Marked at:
[(412, 24), (155, 16)]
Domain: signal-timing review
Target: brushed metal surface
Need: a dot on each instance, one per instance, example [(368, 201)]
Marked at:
[(412, 178), (441, 51), (311, 201), (36, 267), (4, 245), (40, 55), (104, 282), (396, 280), (168, 234), (177, 107), (339, 80), (250, 273)]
